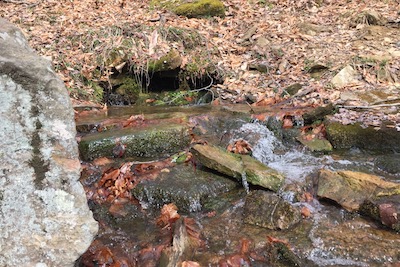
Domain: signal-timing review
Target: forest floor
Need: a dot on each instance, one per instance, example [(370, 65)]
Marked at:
[(261, 47)]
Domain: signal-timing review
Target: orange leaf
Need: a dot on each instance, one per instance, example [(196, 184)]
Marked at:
[(287, 123), (112, 175), (265, 102), (169, 214)]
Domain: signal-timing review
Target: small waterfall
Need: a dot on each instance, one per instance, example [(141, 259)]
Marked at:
[(245, 183), (293, 163), (296, 163)]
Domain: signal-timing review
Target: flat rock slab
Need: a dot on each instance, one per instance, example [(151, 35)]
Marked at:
[(354, 135), (44, 216), (238, 166), (350, 189), (154, 142), (268, 210), (188, 188)]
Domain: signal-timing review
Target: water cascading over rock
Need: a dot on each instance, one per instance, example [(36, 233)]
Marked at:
[(44, 216)]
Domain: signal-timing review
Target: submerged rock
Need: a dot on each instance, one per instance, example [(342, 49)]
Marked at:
[(384, 210), (350, 189), (238, 166), (188, 188), (351, 242), (267, 210), (44, 216), (158, 142), (184, 243), (389, 164)]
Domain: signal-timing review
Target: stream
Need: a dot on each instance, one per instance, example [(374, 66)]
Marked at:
[(213, 229)]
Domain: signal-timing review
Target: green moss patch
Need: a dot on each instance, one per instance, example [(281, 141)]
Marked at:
[(201, 8)]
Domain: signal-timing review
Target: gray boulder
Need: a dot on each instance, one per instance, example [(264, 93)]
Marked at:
[(44, 216)]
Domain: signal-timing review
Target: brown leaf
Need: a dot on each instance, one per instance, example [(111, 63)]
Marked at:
[(102, 161), (305, 212), (287, 123), (190, 264), (388, 214), (112, 175), (265, 102), (169, 214)]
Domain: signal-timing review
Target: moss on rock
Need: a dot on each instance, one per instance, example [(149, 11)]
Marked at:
[(159, 142), (170, 61), (354, 135), (201, 8)]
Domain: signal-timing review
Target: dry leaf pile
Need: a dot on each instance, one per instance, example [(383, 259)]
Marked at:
[(261, 46)]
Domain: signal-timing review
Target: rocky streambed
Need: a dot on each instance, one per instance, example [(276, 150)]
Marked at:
[(238, 186)]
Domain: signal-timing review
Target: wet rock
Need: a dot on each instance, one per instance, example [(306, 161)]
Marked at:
[(238, 166), (125, 91), (354, 135), (268, 210), (316, 144), (218, 126), (183, 244), (350, 189), (188, 188), (388, 163), (44, 216), (346, 76), (259, 174), (156, 142), (318, 113), (352, 242), (384, 210)]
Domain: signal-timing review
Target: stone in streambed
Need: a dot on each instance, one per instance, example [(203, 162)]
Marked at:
[(268, 210), (385, 210), (188, 188), (156, 142), (238, 166), (315, 144), (350, 189), (257, 173), (354, 135)]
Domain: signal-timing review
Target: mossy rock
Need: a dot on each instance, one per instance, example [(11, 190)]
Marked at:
[(170, 61), (238, 166), (188, 188), (154, 143), (201, 8), (316, 144), (267, 210), (354, 135)]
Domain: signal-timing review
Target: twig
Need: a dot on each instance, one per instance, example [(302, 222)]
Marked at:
[(14, 1), (370, 107)]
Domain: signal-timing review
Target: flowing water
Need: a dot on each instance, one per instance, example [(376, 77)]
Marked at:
[(330, 236)]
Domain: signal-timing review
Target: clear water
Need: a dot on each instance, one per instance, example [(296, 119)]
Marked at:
[(294, 162)]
